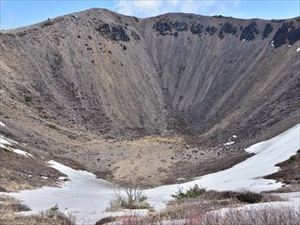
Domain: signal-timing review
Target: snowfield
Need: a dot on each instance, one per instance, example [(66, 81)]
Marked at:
[(246, 175), (87, 197)]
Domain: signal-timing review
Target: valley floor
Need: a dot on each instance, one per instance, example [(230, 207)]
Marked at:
[(87, 197), (147, 162)]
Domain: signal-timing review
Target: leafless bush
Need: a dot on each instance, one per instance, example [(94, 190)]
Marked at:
[(266, 197), (129, 198), (262, 216), (137, 220), (8, 204), (9, 218)]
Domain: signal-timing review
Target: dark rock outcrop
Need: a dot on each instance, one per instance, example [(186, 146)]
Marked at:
[(166, 27), (249, 32), (113, 32), (227, 28), (287, 33), (268, 29)]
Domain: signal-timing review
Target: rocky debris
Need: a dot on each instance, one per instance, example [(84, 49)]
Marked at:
[(211, 30), (50, 22), (154, 71), (167, 28), (227, 28), (135, 35), (191, 85), (287, 33), (136, 19), (268, 29), (113, 32), (197, 28), (249, 32), (294, 35), (47, 23)]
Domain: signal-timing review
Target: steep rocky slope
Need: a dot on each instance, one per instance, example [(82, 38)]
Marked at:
[(94, 74)]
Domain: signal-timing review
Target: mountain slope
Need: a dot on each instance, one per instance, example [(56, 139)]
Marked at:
[(75, 79), (114, 73)]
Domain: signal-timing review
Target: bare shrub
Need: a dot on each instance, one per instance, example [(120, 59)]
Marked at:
[(137, 220), (266, 197), (249, 197), (106, 220), (9, 218), (193, 192), (183, 207), (2, 189), (133, 198), (262, 216), (8, 204)]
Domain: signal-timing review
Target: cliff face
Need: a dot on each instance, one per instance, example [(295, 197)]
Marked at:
[(177, 73)]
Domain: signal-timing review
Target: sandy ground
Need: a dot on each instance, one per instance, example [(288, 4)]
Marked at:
[(149, 161)]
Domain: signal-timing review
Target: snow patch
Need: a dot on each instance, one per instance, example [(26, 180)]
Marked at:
[(298, 49), (272, 43), (234, 136), (229, 143), (246, 175), (6, 144), (21, 152), (2, 124)]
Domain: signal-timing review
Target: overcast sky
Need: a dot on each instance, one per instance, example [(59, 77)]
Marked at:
[(16, 13)]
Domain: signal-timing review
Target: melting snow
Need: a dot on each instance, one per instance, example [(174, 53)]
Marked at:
[(87, 197), (229, 143), (6, 143), (246, 175), (21, 152)]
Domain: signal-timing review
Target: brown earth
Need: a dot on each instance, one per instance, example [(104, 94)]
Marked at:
[(289, 173)]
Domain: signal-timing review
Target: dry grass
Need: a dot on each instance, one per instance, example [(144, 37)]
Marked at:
[(9, 204), (13, 219), (9, 207), (262, 216), (213, 200), (181, 209)]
